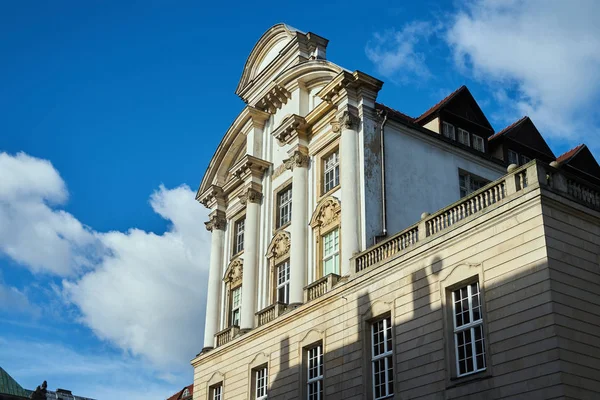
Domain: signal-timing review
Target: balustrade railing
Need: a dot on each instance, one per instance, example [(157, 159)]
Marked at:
[(227, 335), (269, 313), (319, 287), (584, 193)]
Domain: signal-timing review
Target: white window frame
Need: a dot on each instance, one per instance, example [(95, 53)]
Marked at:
[(283, 281), (185, 393), (216, 392), (386, 356), (472, 183), (235, 307), (470, 326), (448, 130), (464, 134), (284, 206), (240, 227), (515, 157), (335, 253), (331, 171), (261, 383), (314, 358), (478, 143)]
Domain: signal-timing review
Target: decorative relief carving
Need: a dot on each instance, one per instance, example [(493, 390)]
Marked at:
[(348, 120), (292, 127), (251, 196), (217, 221), (234, 273), (327, 213), (213, 193), (279, 246), (298, 159)]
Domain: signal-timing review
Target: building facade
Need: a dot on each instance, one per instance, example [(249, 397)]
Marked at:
[(311, 296)]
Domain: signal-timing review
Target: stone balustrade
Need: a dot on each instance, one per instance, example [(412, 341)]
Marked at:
[(319, 287), (227, 335), (269, 313)]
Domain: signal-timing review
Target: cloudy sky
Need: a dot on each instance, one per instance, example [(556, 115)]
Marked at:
[(111, 112)]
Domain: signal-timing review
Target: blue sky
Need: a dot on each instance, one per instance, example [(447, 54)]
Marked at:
[(112, 110)]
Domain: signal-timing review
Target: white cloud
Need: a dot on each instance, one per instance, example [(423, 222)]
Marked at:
[(548, 51), (141, 291), (148, 295), (395, 53), (31, 231)]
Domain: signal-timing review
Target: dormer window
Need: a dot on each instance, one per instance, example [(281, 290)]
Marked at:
[(448, 131), (478, 143), (513, 157), (464, 137)]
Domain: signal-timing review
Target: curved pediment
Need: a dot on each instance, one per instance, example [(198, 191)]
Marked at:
[(234, 272), (327, 213), (268, 47), (279, 246)]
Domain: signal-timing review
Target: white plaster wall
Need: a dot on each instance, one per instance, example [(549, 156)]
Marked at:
[(422, 176)]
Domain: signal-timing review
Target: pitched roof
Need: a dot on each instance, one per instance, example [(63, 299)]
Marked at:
[(569, 154), (439, 105), (9, 386), (394, 112), (177, 396), (508, 128)]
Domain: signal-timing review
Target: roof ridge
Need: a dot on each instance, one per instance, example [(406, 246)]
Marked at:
[(567, 155), (388, 108), (440, 103)]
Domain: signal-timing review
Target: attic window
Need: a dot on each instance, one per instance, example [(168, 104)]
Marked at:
[(478, 143), (186, 393), (448, 131), (513, 157), (463, 137)]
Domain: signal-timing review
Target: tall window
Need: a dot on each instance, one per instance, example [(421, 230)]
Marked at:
[(284, 206), (236, 306), (283, 282), (468, 330), (331, 171), (448, 131), (464, 137), (470, 183), (478, 143), (314, 383), (513, 157), (331, 252), (261, 381), (216, 392), (238, 242), (382, 367)]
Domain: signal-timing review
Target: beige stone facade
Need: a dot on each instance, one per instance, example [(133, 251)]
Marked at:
[(532, 241)]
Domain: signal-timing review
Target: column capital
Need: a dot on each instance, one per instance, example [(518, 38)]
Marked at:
[(298, 159), (250, 195), (213, 196), (216, 220), (292, 129), (348, 120)]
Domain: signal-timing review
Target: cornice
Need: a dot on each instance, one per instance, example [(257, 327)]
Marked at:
[(211, 196), (216, 221), (249, 166), (291, 128), (359, 82)]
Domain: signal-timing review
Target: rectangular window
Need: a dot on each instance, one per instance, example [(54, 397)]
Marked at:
[(448, 131), (236, 306), (513, 157), (284, 206), (525, 159), (331, 171), (464, 137), (314, 375), (470, 183), (468, 330), (478, 143), (382, 367), (331, 252), (261, 381), (216, 392), (283, 282), (238, 242)]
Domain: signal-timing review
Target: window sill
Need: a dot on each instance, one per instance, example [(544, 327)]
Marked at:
[(464, 380), (236, 255), (282, 227), (329, 192)]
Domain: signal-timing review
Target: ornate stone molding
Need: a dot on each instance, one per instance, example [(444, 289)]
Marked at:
[(279, 246), (234, 273), (274, 99), (211, 196), (298, 159), (249, 165), (250, 195), (291, 128), (327, 213), (347, 120), (216, 220)]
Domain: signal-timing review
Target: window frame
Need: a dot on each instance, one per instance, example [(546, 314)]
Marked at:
[(516, 156), (285, 284), (321, 152), (236, 236), (256, 379), (320, 378), (284, 188), (334, 169), (444, 124), (212, 393), (469, 180), (335, 255), (387, 355), (470, 327), (321, 227), (466, 134), (232, 309), (478, 139)]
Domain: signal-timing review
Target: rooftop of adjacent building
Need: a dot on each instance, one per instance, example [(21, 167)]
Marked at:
[(11, 389), (185, 393)]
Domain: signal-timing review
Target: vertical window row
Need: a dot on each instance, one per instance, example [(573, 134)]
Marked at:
[(464, 136), (382, 367)]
